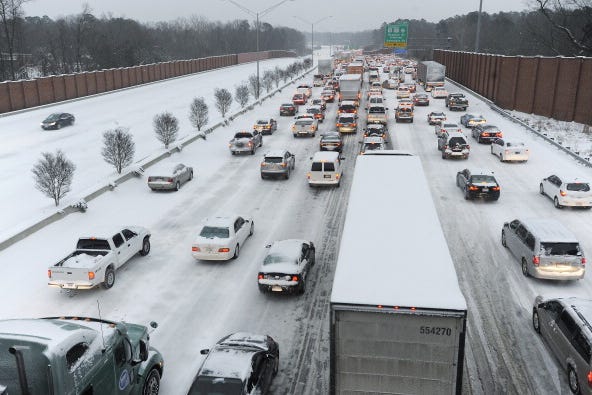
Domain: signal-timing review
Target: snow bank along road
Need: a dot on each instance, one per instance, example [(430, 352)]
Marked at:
[(196, 303)]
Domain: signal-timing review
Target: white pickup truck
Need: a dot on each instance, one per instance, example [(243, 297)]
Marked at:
[(96, 258)]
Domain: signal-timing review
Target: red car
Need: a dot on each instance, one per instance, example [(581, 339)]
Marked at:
[(299, 99)]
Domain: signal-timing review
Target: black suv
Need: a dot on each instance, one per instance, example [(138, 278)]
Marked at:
[(288, 109), (240, 363), (478, 183), (485, 133)]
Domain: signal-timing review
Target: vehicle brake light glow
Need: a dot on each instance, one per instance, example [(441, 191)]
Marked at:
[(536, 260), (169, 179), (337, 176), (590, 378), (562, 192), (583, 261), (283, 165), (308, 175), (91, 275), (260, 276), (473, 188), (195, 249), (495, 188), (294, 278), (49, 273), (224, 249)]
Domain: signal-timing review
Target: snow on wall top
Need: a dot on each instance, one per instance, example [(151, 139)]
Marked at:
[(394, 254)]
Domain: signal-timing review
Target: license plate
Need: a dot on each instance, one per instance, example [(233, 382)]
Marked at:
[(485, 189), (276, 288), (327, 176), (70, 286), (517, 152)]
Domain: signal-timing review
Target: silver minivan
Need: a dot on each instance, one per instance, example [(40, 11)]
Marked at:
[(545, 249), (565, 324)]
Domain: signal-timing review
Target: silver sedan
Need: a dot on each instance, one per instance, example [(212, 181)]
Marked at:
[(170, 178)]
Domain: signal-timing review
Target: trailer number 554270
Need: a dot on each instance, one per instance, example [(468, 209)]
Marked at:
[(435, 330)]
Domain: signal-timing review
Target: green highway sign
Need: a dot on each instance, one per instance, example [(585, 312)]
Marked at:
[(395, 35)]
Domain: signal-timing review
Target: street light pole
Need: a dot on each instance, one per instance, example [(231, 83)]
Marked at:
[(312, 33), (478, 26), (256, 15)]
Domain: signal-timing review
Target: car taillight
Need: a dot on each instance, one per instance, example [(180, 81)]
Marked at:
[(495, 188), (562, 192), (294, 278), (260, 276), (49, 273), (283, 165), (91, 275), (536, 260), (308, 175), (169, 179), (590, 379), (150, 179), (250, 143), (468, 146), (583, 261), (224, 249), (444, 147), (499, 134), (339, 125), (473, 188), (195, 249)]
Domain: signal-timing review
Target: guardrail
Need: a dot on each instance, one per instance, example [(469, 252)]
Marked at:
[(136, 170)]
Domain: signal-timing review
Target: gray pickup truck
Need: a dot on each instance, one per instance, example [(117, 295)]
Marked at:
[(245, 142), (97, 257), (456, 101)]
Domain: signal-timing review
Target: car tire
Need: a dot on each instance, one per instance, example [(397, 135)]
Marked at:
[(443, 155), (556, 202), (288, 174), (145, 247), (501, 157), (253, 151), (177, 186), (467, 196), (109, 278), (152, 383), (541, 189), (262, 177), (572, 380), (536, 323), (524, 267), (302, 287), (504, 242), (261, 288), (58, 125), (276, 366), (236, 252), (252, 230), (190, 176)]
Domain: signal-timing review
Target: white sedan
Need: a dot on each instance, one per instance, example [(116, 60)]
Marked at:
[(221, 238), (509, 150), (286, 266), (566, 191)]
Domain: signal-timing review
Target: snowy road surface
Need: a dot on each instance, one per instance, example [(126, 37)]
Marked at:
[(196, 303)]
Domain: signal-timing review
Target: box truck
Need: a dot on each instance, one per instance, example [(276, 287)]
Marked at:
[(430, 74), (397, 315)]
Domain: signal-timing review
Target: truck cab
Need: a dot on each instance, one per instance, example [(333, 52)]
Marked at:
[(77, 355)]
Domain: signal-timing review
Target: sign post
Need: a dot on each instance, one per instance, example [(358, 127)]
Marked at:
[(395, 35)]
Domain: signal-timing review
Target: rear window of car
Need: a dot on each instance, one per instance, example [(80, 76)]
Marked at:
[(482, 179), (376, 110), (331, 138), (313, 110), (346, 120), (456, 141), (347, 107), (242, 135), (316, 166), (214, 231), (276, 258), (93, 244), (578, 187), (329, 166), (560, 249), (274, 159), (304, 122)]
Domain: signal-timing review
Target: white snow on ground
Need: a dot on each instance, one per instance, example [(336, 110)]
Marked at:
[(196, 303)]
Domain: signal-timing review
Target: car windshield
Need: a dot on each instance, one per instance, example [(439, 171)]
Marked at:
[(275, 258), (560, 249), (482, 179), (274, 159), (216, 386), (52, 117), (242, 135), (578, 186), (214, 231)]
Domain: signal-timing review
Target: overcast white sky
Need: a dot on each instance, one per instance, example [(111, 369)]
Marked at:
[(347, 15)]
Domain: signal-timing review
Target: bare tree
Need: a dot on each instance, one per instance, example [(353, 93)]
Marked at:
[(277, 76), (241, 94), (118, 148), (268, 80), (166, 127), (559, 13), (223, 100), (198, 112), (11, 12), (254, 86), (53, 175)]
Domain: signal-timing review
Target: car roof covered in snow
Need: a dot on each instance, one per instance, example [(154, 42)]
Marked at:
[(549, 230), (275, 153)]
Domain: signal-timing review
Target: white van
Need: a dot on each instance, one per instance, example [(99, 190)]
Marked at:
[(325, 169)]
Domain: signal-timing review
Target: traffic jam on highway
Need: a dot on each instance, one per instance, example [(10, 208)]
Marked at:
[(457, 236)]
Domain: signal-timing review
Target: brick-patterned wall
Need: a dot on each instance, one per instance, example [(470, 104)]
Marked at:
[(558, 87)]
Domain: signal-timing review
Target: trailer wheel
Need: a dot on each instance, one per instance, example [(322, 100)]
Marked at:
[(152, 383), (109, 278)]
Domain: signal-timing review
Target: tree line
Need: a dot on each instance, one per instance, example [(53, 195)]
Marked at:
[(550, 28), (41, 46)]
